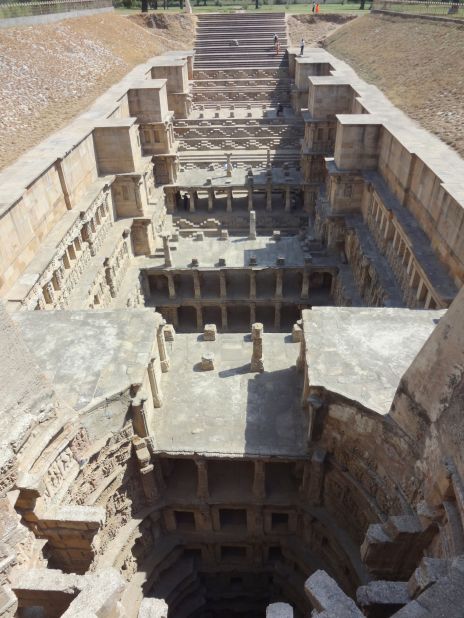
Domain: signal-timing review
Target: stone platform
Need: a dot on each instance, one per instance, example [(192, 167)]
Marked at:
[(231, 411)]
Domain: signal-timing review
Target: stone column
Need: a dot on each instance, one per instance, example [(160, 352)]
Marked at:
[(279, 284), (155, 385), (210, 199), (287, 199), (259, 480), (229, 200), (202, 479), (305, 285), (199, 318), (252, 285), (224, 317), (252, 313), (49, 293), (278, 308), (301, 360), (139, 417), (252, 233), (171, 285), (257, 357), (170, 198), (315, 482), (250, 197), (222, 284), (192, 201), (269, 197), (164, 359), (167, 251), (196, 284)]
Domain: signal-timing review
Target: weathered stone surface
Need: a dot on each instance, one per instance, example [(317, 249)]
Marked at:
[(279, 610), (325, 596), (153, 608)]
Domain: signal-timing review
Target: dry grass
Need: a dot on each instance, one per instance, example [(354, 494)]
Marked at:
[(51, 73), (418, 64), (314, 28)]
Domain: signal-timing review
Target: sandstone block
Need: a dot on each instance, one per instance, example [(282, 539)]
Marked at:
[(207, 361), (209, 332), (169, 332)]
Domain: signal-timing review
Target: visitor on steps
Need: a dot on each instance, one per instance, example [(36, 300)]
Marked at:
[(277, 47), (280, 109), (301, 47), (276, 38)]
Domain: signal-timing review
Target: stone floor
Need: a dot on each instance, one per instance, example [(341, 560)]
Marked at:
[(229, 410)]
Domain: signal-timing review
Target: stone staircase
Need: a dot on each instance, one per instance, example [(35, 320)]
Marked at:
[(216, 45)]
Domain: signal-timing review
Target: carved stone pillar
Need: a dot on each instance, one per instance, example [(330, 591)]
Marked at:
[(269, 198), (279, 284), (199, 318), (252, 313), (224, 317), (49, 293), (252, 285), (259, 480), (196, 284), (139, 418), (202, 479), (257, 363), (171, 285), (229, 200), (222, 284), (170, 200), (164, 359), (301, 360), (250, 197), (167, 251), (192, 201), (252, 232), (210, 199), (305, 285), (316, 478), (155, 384)]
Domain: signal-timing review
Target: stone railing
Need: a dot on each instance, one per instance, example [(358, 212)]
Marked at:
[(411, 7), (23, 9)]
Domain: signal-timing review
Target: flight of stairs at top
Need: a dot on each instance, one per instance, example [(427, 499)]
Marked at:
[(217, 37)]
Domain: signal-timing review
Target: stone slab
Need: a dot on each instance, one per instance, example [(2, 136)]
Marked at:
[(362, 353), (230, 410)]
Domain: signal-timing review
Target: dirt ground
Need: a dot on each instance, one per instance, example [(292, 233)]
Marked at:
[(314, 29), (418, 64), (51, 73)]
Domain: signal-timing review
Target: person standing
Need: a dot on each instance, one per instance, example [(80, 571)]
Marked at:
[(301, 47)]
